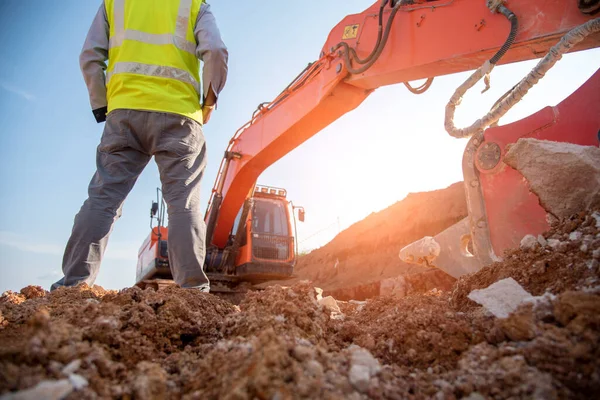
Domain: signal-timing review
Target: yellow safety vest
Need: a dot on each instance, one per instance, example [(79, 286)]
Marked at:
[(152, 63)]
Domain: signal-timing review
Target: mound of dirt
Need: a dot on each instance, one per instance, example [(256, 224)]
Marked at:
[(367, 252), (283, 343), (565, 258)]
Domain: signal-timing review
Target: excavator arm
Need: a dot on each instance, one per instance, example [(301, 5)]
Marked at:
[(390, 42)]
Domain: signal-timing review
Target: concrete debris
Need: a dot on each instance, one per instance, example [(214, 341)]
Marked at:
[(332, 305), (529, 242), (596, 216), (565, 176), (78, 381), (500, 298), (542, 240), (47, 390), (554, 243), (363, 366), (71, 367), (576, 235)]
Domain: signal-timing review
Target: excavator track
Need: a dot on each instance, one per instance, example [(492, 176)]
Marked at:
[(227, 288)]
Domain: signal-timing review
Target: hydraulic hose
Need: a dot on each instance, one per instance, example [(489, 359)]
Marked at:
[(421, 89), (376, 51), (514, 27), (568, 41), (351, 50)]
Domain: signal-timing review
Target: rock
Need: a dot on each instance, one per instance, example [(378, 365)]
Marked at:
[(554, 243), (528, 242), (71, 367), (314, 368), (565, 176), (596, 216), (542, 240), (576, 235), (596, 254), (78, 381), (500, 298), (363, 366), (47, 390), (332, 305)]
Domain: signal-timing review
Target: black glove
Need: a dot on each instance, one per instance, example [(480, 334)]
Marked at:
[(100, 114)]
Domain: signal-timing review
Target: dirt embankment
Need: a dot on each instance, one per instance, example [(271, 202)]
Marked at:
[(355, 261), (284, 343)]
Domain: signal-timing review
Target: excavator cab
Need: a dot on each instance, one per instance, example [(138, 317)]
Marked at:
[(263, 236)]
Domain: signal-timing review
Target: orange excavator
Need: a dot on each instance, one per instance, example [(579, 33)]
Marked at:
[(391, 42)]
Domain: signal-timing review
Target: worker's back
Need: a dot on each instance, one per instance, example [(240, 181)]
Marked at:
[(152, 56)]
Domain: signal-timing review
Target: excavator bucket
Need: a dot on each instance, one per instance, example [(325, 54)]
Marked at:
[(510, 193)]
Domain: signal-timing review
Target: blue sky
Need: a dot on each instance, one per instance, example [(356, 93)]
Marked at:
[(392, 145)]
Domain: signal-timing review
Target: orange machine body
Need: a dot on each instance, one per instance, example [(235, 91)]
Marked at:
[(427, 39), (152, 256)]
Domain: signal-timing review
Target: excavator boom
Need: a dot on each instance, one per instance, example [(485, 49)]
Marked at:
[(395, 42)]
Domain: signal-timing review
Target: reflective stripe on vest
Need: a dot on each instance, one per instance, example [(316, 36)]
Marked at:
[(178, 39), (153, 70)]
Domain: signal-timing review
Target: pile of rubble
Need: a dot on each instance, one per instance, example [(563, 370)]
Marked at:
[(284, 343)]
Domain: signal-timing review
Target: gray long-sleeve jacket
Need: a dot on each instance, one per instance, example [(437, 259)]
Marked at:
[(210, 49)]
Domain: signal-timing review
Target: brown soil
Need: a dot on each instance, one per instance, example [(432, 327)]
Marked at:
[(282, 343), (356, 260)]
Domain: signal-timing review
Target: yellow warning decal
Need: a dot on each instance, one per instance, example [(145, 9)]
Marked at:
[(350, 32)]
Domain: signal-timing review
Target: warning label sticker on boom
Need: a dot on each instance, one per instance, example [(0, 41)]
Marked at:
[(351, 31)]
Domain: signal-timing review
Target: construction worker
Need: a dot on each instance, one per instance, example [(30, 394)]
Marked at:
[(154, 104)]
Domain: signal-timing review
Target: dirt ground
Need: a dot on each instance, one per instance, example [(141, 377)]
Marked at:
[(283, 343)]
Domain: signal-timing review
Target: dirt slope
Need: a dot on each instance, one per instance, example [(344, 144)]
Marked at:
[(367, 251), (283, 344)]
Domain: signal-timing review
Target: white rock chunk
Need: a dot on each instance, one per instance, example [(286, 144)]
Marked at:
[(596, 216), (542, 240), (330, 304), (529, 242), (554, 243), (71, 367), (47, 390), (363, 366), (576, 235), (78, 381), (501, 298)]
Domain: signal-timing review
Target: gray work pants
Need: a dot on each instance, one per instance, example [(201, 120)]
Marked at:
[(129, 140)]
